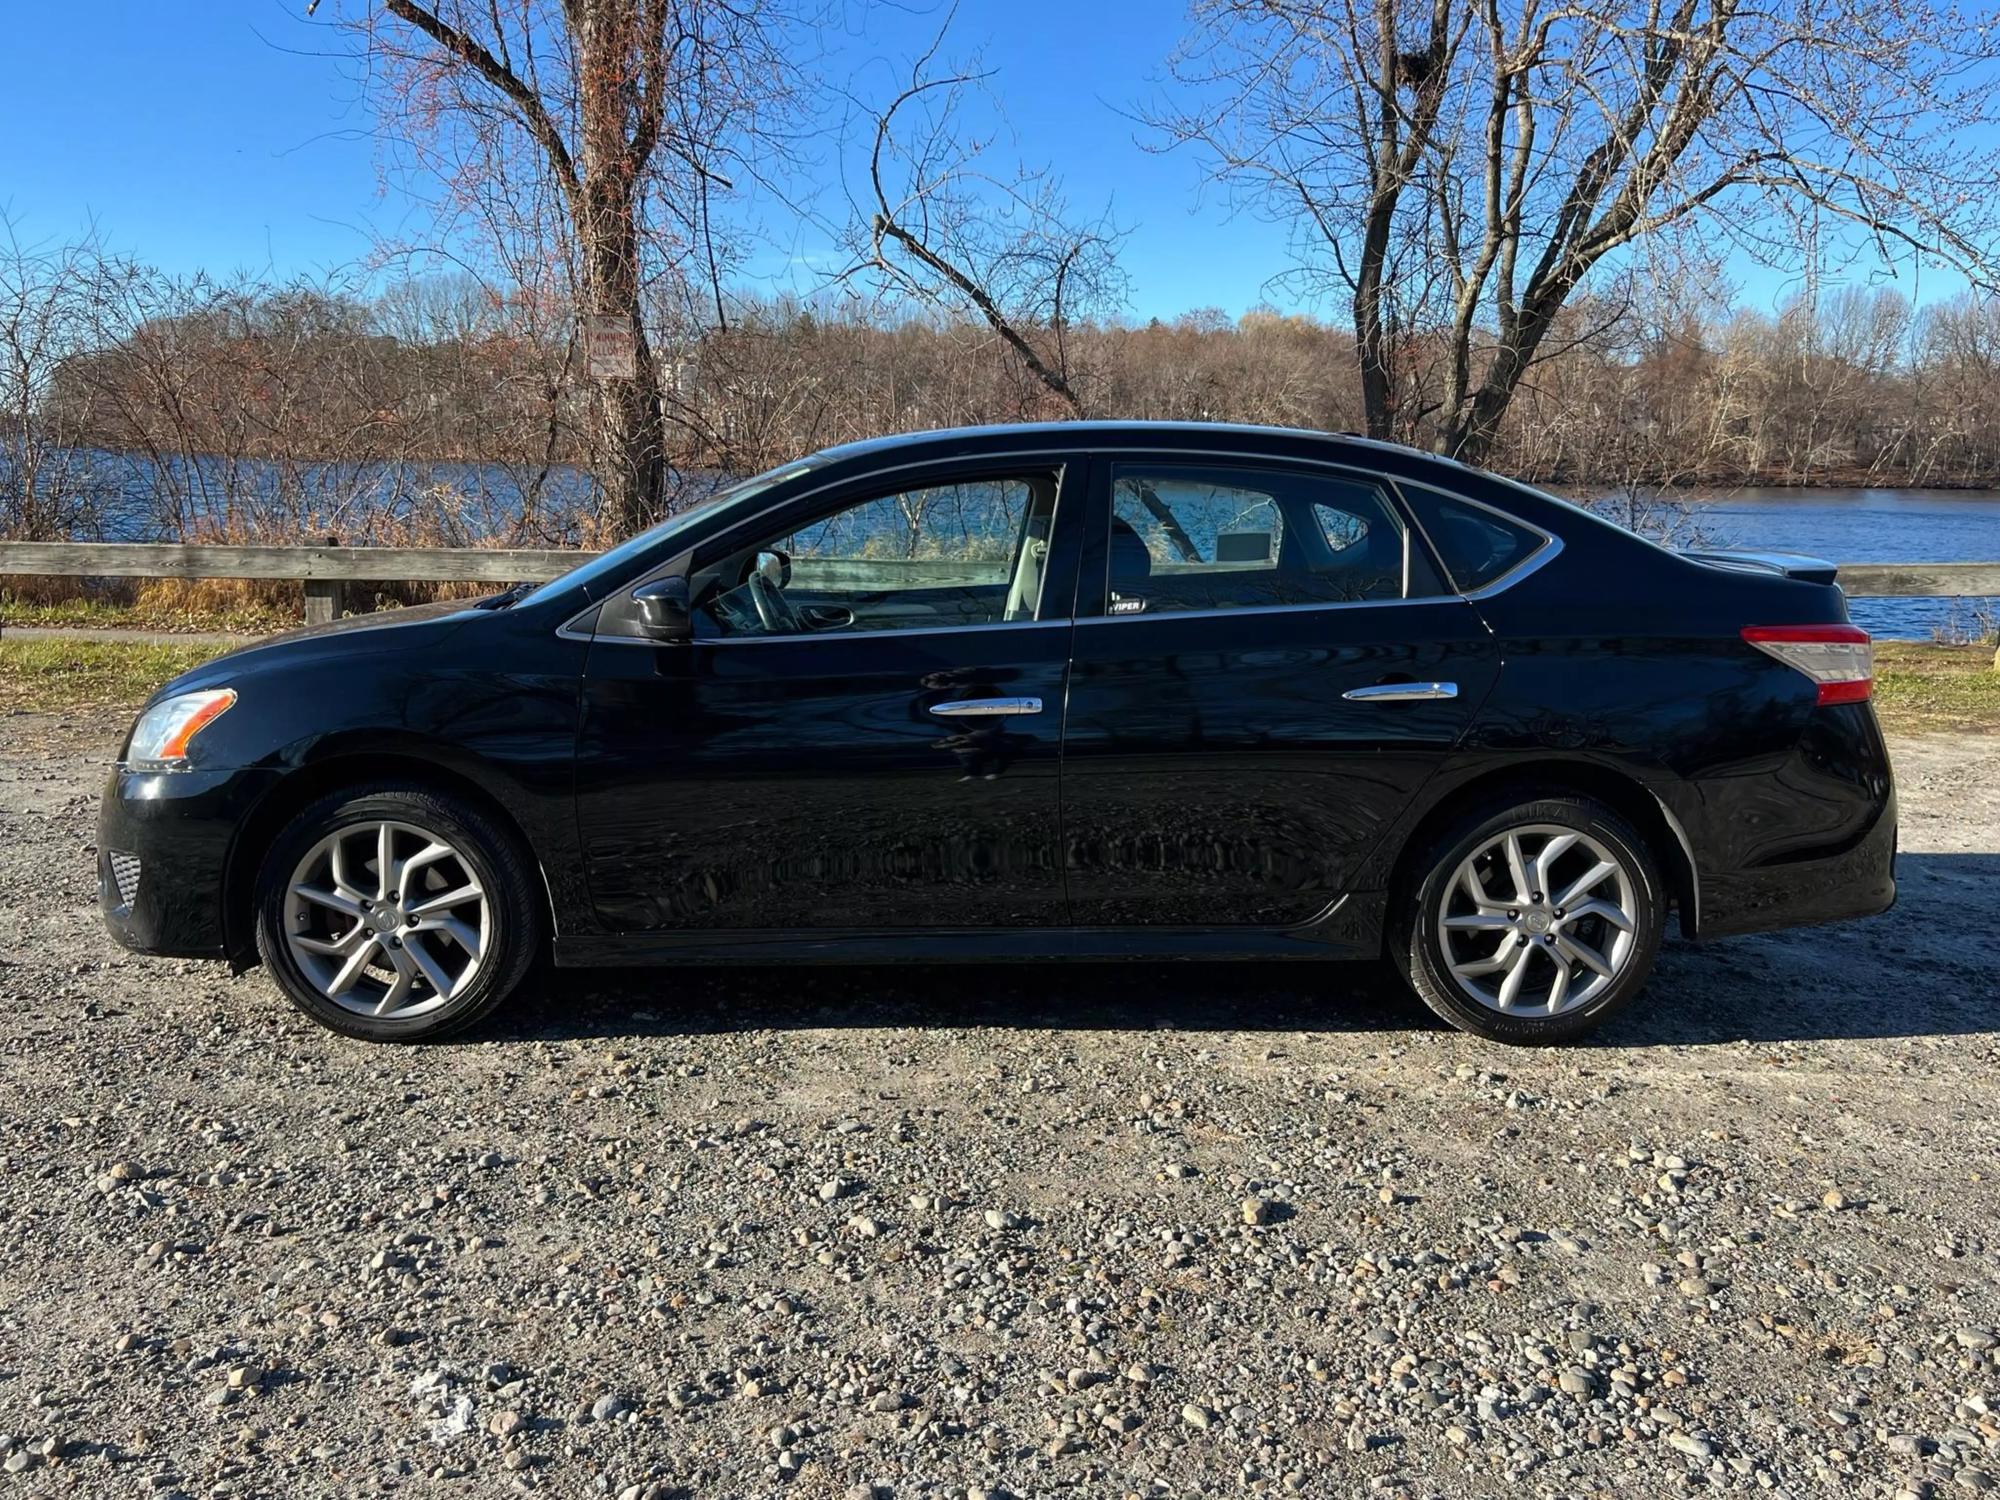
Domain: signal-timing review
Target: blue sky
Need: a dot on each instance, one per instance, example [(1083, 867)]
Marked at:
[(222, 136)]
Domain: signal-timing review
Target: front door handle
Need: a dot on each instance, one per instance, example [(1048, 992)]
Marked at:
[(960, 706), (1401, 692)]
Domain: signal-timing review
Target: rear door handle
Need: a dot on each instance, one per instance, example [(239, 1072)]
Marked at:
[(1401, 692), (961, 706)]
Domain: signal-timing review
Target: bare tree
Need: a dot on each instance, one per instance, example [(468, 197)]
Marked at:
[(49, 296), (601, 133), (1461, 168), (942, 230)]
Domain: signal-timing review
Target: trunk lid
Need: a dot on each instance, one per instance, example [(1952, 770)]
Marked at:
[(1771, 564)]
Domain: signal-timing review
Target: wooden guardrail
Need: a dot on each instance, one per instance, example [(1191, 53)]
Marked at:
[(326, 571), (1970, 580)]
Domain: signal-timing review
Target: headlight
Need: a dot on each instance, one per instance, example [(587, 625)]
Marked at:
[(161, 737)]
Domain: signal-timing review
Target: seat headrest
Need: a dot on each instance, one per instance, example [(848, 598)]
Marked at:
[(1131, 563)]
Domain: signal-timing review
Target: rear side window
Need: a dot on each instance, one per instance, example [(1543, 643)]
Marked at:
[(1477, 545), (1203, 538)]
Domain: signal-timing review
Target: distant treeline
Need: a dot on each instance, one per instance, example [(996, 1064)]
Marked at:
[(441, 410)]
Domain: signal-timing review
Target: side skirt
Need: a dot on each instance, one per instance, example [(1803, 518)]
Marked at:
[(1350, 929)]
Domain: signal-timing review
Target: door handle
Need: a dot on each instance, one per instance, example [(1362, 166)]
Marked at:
[(961, 706), (1401, 692)]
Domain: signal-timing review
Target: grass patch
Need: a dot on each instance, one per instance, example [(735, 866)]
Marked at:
[(61, 676), (1920, 687), (162, 613)]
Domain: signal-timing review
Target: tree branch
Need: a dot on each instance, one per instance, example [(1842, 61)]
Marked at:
[(534, 116)]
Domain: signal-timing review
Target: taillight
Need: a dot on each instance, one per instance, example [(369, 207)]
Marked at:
[(1837, 657)]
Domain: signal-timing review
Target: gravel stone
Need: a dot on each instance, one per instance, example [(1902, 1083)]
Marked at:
[(639, 1238)]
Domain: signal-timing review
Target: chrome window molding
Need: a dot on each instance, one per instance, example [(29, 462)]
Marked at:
[(1548, 552), (1550, 549), (1267, 609), (830, 635)]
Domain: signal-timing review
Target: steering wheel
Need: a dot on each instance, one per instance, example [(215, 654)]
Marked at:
[(775, 612)]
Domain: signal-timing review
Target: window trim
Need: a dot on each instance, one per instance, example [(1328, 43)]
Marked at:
[(855, 635), (1264, 609), (1064, 458)]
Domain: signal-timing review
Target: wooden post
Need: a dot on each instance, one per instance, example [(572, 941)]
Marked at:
[(323, 600)]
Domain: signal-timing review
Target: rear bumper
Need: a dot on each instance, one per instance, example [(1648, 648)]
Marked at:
[(1860, 882), (164, 841), (1811, 840)]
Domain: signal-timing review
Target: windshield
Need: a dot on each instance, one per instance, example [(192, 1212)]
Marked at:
[(606, 564)]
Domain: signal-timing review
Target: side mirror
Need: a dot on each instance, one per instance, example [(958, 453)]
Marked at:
[(664, 610)]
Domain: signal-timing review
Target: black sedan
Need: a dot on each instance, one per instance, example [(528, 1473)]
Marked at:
[(1081, 690)]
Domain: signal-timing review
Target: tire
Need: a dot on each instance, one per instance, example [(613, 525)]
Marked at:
[(482, 945), (1445, 938)]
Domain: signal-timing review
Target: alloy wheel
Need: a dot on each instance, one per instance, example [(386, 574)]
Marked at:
[(1538, 920), (387, 919)]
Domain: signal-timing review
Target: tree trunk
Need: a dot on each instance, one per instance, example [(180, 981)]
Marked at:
[(631, 436), (1371, 346), (630, 439), (1371, 339), (1468, 434)]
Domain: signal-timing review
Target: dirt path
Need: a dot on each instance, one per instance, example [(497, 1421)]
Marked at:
[(957, 1232)]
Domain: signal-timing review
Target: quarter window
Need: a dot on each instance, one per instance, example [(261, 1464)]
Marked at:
[(1201, 538), (1476, 545)]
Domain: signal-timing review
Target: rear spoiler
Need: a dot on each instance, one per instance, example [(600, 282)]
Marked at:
[(1783, 564)]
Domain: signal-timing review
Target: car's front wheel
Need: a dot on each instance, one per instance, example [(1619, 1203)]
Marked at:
[(1532, 919), (396, 913)]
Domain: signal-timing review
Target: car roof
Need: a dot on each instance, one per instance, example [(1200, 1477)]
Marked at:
[(1397, 459), (1176, 434)]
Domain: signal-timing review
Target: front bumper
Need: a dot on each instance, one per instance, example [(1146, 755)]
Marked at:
[(164, 843)]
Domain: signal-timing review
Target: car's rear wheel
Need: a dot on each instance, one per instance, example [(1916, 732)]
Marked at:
[(1532, 918), (396, 913)]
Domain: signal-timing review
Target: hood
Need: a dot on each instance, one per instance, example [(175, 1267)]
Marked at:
[(381, 622), (389, 630)]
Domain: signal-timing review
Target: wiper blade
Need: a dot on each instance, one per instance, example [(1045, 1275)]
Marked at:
[(508, 597)]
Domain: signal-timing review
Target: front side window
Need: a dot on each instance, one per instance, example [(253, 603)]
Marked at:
[(932, 557), (1201, 538), (702, 508)]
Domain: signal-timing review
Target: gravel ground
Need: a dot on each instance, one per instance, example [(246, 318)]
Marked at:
[(1092, 1231)]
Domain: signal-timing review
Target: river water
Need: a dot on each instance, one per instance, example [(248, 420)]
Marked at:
[(1875, 526)]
